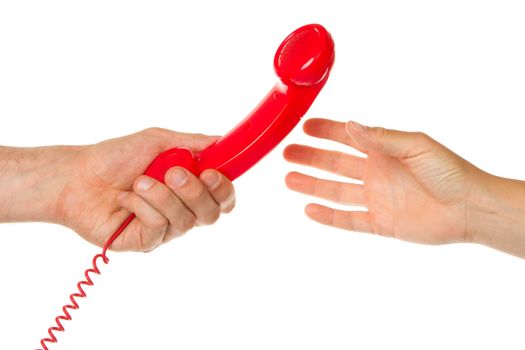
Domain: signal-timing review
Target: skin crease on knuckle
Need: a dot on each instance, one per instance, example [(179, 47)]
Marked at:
[(425, 142), (185, 222), (153, 235), (158, 223), (203, 206), (181, 220), (379, 132), (214, 214), (208, 214), (197, 192), (152, 228)]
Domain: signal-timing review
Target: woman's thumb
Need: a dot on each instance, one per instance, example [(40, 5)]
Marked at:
[(394, 143)]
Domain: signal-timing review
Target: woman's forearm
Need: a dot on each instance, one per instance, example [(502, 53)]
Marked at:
[(31, 180), (497, 214)]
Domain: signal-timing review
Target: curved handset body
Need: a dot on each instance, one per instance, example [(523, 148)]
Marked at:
[(303, 63)]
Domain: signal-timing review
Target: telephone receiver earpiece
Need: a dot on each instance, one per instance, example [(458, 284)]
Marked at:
[(302, 62)]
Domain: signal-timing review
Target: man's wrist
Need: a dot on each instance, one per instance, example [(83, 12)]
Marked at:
[(31, 182), (496, 214)]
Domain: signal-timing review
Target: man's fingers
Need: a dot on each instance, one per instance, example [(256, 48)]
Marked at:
[(194, 194), (153, 224), (339, 192), (336, 162), (347, 220), (182, 202), (220, 188), (160, 197)]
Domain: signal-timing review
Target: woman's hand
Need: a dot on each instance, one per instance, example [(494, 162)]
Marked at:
[(413, 188)]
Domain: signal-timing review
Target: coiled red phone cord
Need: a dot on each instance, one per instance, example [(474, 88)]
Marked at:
[(66, 316)]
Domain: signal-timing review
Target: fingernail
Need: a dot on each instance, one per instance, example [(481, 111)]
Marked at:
[(144, 184), (211, 180), (356, 126), (178, 178), (228, 202), (121, 195)]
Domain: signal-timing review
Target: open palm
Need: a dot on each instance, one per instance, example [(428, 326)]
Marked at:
[(412, 187)]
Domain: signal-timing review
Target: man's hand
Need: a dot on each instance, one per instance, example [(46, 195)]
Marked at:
[(92, 189)]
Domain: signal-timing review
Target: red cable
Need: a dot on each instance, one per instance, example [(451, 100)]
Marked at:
[(66, 316)]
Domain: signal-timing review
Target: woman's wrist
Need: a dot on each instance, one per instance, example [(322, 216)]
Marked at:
[(32, 180), (496, 214)]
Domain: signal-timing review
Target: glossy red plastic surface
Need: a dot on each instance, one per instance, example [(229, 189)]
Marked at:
[(302, 62)]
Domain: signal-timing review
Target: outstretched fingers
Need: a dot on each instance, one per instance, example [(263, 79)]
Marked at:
[(394, 143), (347, 220), (336, 162), (330, 130), (339, 192)]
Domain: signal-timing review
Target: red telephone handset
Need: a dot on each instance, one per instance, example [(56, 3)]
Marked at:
[(302, 62)]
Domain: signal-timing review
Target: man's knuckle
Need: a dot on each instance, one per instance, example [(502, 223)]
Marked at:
[(215, 213), (196, 192), (185, 223), (159, 223), (152, 130)]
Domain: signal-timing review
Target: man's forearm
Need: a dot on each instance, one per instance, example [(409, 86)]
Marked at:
[(497, 215), (31, 180)]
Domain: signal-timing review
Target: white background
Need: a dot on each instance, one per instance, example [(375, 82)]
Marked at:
[(264, 277)]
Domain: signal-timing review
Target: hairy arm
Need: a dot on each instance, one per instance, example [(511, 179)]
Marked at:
[(31, 180), (92, 189)]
